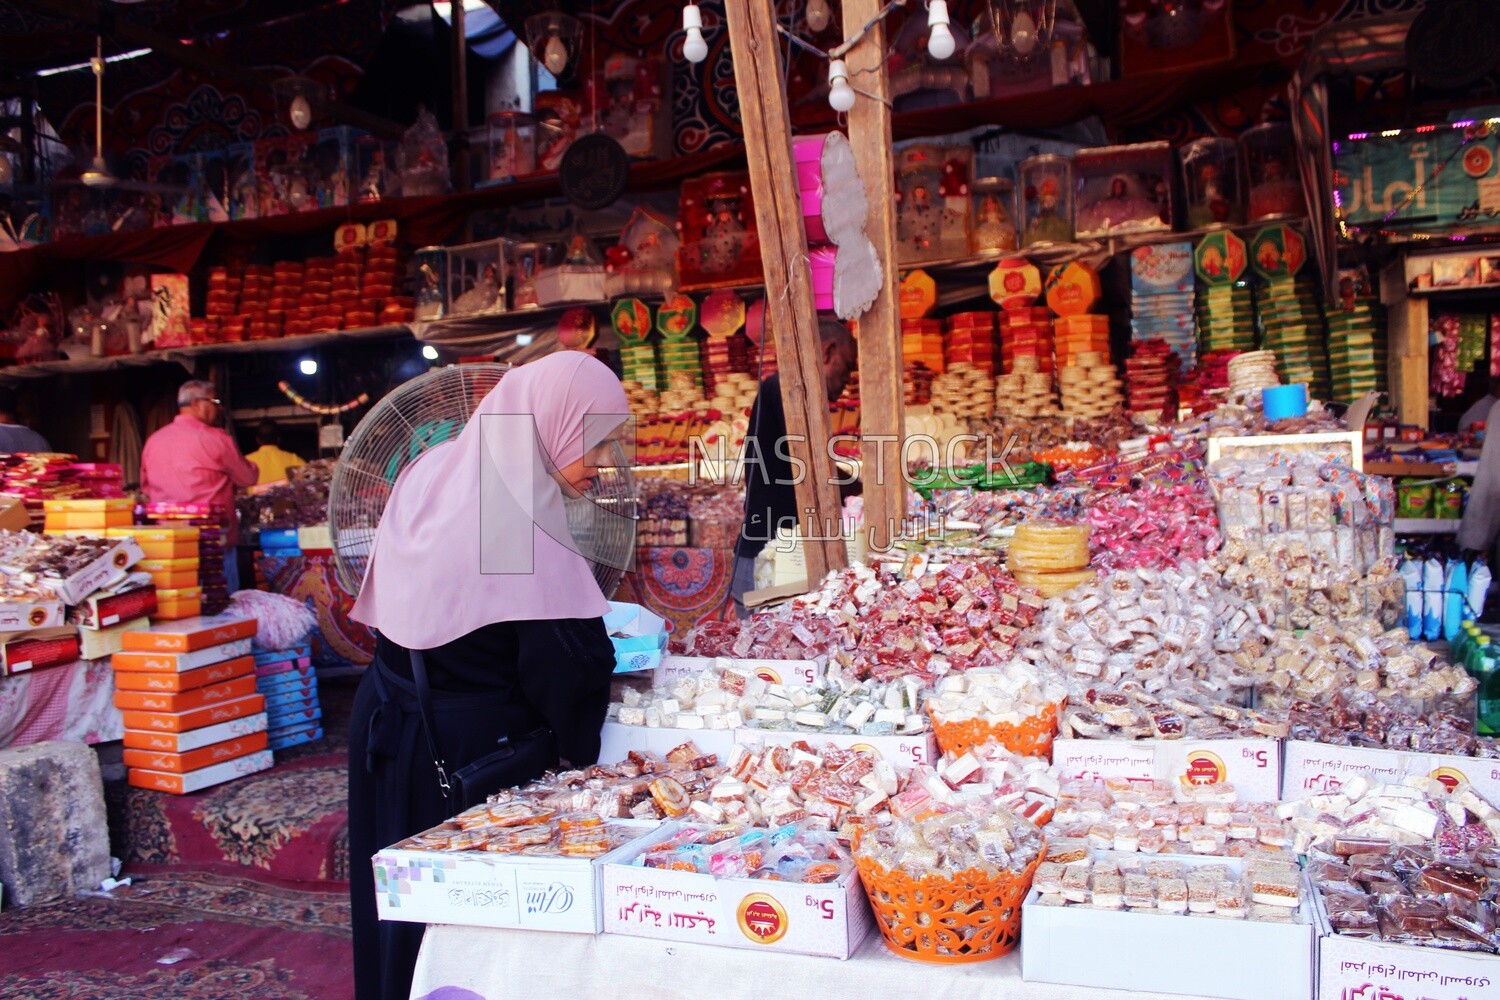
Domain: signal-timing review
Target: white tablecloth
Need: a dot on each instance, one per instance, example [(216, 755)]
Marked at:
[(497, 964)]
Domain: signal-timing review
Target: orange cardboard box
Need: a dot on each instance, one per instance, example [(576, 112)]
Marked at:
[(96, 521), (172, 663), (161, 543), (171, 581), (192, 760), (195, 739), (186, 680), (203, 777), (181, 722), (190, 634), (185, 701)]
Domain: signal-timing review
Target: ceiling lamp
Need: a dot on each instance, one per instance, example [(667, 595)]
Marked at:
[(552, 38), (305, 99), (98, 175), (817, 15), (1023, 28)]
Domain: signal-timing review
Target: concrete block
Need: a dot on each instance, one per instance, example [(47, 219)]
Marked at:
[(54, 837)]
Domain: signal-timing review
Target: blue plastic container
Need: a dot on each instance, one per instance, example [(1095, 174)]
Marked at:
[(1284, 401)]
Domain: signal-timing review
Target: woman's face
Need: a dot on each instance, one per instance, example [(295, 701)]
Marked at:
[(577, 478)]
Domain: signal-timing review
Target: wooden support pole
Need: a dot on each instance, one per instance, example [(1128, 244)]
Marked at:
[(882, 415), (790, 312), (460, 77)]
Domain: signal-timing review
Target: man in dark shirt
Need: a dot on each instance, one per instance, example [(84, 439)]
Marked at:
[(770, 486), (14, 435)]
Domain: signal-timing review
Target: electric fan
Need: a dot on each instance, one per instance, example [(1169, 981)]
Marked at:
[(428, 411)]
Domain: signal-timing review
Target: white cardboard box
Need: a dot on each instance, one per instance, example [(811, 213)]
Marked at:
[(830, 919), (1361, 969), (493, 890), (108, 568), (1315, 768), (907, 751), (616, 740), (1200, 956), (1252, 765), (788, 673)]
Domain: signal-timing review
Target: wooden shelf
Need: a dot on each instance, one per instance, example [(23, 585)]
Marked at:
[(1427, 525), (179, 355)]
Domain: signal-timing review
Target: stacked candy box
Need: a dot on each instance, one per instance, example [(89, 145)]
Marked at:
[(290, 686)]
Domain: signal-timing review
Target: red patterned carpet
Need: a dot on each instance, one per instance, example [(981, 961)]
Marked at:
[(183, 935)]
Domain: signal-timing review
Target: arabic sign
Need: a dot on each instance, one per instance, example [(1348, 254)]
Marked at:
[(1436, 178)]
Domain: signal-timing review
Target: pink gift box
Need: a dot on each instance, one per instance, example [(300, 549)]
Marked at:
[(822, 259), (807, 152)]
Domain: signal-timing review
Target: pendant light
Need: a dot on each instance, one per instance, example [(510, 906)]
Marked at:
[(98, 175)]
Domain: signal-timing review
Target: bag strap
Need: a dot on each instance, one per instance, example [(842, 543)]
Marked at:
[(424, 707)]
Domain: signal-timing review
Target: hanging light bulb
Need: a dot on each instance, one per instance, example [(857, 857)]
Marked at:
[(1023, 32), (940, 41), (840, 94), (307, 366), (300, 112), (429, 352), (555, 56), (817, 15), (694, 48)]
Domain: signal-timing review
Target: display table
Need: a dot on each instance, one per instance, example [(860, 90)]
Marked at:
[(74, 701), (491, 964)]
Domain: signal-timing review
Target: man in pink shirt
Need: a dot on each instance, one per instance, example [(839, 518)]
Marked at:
[(193, 460)]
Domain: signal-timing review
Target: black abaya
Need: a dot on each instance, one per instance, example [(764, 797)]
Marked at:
[(505, 679)]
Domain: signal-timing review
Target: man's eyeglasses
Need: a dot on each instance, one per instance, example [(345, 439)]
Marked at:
[(209, 399)]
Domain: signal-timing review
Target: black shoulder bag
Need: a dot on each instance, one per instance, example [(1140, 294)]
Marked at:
[(512, 763)]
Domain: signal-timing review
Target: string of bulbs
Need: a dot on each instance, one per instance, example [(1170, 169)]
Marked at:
[(841, 95)]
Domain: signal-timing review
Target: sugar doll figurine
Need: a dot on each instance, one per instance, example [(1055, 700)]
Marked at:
[(1212, 207), (723, 237), (919, 220)]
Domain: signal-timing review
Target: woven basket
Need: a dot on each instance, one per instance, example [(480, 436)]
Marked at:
[(1032, 737), (971, 916)]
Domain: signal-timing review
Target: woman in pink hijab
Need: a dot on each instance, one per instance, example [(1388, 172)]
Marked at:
[(473, 564)]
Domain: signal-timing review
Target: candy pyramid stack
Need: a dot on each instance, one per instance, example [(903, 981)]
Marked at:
[(1161, 296), (1090, 386), (1291, 322), (971, 341), (1026, 391), (1357, 351), (1251, 372), (1226, 318), (1026, 333), (1151, 375), (286, 679), (187, 693), (922, 343), (734, 393)]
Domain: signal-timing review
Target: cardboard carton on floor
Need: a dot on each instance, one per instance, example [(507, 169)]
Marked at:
[(478, 889), (193, 760), (204, 777), (191, 634), (187, 680), (178, 702), (179, 662), (138, 739), (830, 919), (181, 722)]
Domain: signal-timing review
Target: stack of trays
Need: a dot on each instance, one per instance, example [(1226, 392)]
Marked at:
[(638, 363), (1026, 333), (1090, 386), (187, 692), (922, 343), (971, 341), (1226, 319), (1026, 391), (1161, 296), (1151, 375), (1291, 322), (681, 362), (964, 390), (1357, 351), (290, 686)]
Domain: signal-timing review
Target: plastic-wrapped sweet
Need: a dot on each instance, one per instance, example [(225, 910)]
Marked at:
[(1112, 882), (997, 695), (724, 697), (1407, 863), (944, 842), (794, 852), (991, 773), (1356, 654), (1155, 526), (1160, 818), (827, 789), (643, 786)]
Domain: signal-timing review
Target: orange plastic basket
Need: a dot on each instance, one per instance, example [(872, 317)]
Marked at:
[(1032, 737), (971, 916)]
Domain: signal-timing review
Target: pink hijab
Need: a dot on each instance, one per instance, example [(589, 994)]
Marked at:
[(475, 531)]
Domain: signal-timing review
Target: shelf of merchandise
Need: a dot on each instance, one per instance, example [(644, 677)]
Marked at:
[(1427, 526), (181, 355)]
